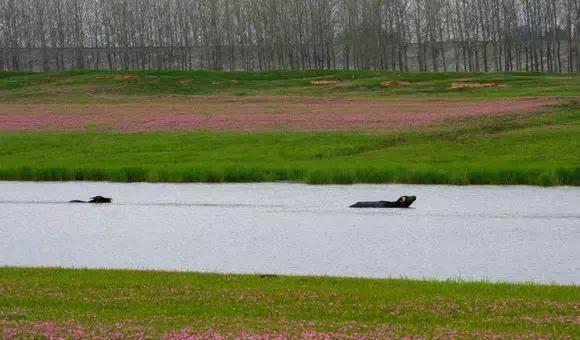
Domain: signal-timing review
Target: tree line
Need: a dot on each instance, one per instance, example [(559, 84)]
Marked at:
[(398, 35)]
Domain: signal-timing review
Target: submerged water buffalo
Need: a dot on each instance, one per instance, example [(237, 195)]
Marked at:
[(96, 200), (403, 202)]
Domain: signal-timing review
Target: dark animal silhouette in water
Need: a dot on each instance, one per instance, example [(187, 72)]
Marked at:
[(403, 202), (95, 200)]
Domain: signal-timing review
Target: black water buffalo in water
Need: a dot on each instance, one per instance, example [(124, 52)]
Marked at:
[(403, 202), (96, 200)]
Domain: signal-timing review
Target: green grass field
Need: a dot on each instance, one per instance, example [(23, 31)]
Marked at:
[(63, 303), (538, 149), (93, 86), (542, 150)]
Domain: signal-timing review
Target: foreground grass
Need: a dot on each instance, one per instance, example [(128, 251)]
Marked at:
[(92, 86), (63, 303), (539, 150)]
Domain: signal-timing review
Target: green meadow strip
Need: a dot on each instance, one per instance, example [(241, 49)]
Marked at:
[(339, 158), (539, 150), (98, 86), (62, 303)]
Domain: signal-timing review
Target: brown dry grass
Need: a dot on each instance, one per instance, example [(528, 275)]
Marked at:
[(120, 76), (394, 83), (324, 82), (472, 85)]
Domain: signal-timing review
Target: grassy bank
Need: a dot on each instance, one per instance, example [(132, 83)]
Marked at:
[(99, 86), (539, 150), (59, 303)]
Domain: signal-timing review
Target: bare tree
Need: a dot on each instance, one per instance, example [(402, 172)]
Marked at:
[(402, 35)]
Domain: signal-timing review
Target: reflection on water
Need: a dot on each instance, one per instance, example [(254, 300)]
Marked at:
[(492, 233)]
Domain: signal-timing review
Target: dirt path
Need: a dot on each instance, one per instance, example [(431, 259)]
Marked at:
[(255, 114)]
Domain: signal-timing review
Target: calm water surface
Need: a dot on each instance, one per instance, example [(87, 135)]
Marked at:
[(474, 233)]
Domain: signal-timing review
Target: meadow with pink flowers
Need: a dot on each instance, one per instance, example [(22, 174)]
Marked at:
[(318, 127), (63, 303), (315, 127)]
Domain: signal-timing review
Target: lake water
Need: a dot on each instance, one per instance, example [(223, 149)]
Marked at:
[(472, 232)]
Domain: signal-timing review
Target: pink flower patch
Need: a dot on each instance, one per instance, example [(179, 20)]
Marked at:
[(256, 114)]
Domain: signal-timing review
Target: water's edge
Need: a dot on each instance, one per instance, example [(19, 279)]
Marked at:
[(489, 233), (277, 275)]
